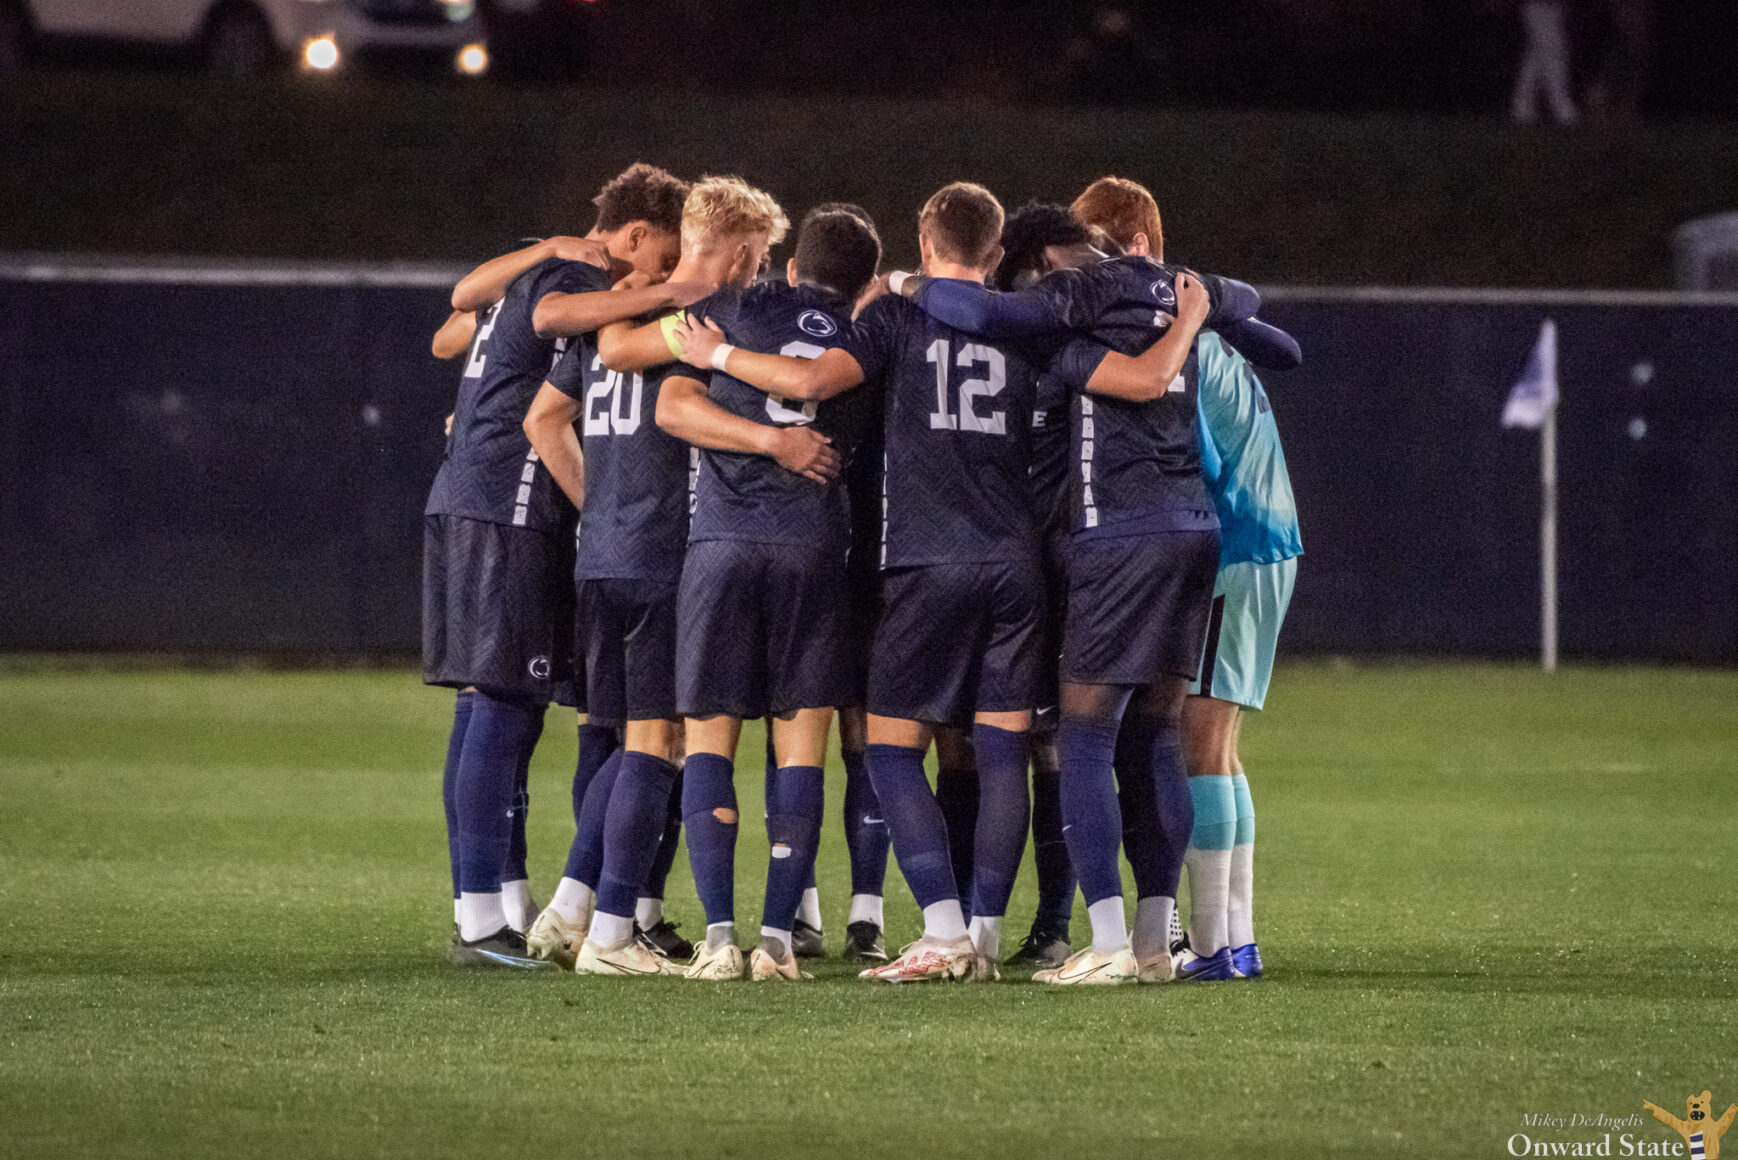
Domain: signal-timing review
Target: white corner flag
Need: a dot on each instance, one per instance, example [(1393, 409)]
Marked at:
[(1535, 396), (1533, 404)]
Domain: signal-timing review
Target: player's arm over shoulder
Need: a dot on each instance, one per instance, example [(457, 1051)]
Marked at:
[(976, 309), (630, 346), (1150, 374), (702, 345), (562, 314)]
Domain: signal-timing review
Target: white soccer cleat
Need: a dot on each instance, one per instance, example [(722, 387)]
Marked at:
[(1090, 968), (553, 938), (629, 959), (929, 960), (715, 964), (762, 966), (1162, 969)]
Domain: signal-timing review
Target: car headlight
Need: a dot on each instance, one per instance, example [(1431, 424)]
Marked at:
[(472, 60), (321, 53)]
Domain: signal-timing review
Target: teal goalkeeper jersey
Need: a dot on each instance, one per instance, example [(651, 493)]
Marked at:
[(1242, 461)]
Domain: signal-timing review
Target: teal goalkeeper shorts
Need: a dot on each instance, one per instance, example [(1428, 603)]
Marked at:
[(1249, 603)]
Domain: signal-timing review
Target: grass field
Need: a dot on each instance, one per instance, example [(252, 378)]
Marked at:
[(1481, 893)]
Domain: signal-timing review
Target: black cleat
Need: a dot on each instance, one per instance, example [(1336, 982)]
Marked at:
[(1043, 948), (505, 948), (663, 940), (806, 942), (863, 943)]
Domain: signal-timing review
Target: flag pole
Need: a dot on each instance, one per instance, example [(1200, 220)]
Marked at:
[(1548, 540)]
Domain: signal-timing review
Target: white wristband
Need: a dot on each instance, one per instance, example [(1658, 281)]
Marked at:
[(720, 354), (897, 279)]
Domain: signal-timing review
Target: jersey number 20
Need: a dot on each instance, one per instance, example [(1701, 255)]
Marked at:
[(608, 391), (971, 355)]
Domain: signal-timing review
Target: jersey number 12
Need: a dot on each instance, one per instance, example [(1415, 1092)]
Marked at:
[(988, 387)]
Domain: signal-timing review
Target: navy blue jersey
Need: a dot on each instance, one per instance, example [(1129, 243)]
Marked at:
[(1050, 458), (739, 496), (1137, 466), (1126, 291), (634, 525), (490, 471), (958, 431)]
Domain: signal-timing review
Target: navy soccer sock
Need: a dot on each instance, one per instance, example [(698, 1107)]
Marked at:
[(709, 814), (865, 829), (500, 731), (1004, 811), (450, 778), (1092, 822), (1158, 812), (794, 814), (633, 827), (667, 843), (585, 857), (513, 869), (1050, 853), (956, 792), (596, 744), (914, 821)]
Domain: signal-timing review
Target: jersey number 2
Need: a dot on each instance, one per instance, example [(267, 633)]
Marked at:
[(971, 355)]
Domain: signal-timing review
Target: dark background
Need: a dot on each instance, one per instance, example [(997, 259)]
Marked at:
[(211, 468), (173, 164)]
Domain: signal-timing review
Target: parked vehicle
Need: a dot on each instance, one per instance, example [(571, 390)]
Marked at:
[(243, 37)]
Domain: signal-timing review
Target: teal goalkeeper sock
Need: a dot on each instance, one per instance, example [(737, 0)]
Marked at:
[(1240, 903), (1209, 861)]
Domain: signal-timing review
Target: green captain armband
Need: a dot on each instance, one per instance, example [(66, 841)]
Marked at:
[(668, 325)]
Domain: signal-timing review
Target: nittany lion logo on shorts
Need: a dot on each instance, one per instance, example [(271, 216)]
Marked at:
[(539, 668), (818, 324), (1164, 292)]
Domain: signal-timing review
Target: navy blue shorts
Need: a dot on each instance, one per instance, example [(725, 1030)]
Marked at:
[(624, 643), (497, 608), (958, 639), (1138, 606), (862, 613), (1051, 621), (760, 629)]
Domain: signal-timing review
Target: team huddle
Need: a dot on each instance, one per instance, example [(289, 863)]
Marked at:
[(1028, 506)]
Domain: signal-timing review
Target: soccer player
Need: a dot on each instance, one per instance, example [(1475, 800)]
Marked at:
[(760, 603), (632, 477), (496, 610), (1138, 565), (1040, 238), (1259, 544)]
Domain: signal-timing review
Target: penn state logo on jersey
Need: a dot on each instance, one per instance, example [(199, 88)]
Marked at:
[(1164, 292), (817, 323), (539, 668)]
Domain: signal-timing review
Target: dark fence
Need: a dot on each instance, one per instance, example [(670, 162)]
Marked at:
[(228, 458)]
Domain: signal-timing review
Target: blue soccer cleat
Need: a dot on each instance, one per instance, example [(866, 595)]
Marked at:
[(1246, 961), (1214, 968)]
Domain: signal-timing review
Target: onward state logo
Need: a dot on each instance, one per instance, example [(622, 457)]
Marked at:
[(1701, 1133), (816, 323)]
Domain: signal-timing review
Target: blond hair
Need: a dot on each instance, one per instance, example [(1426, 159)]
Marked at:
[(721, 207)]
